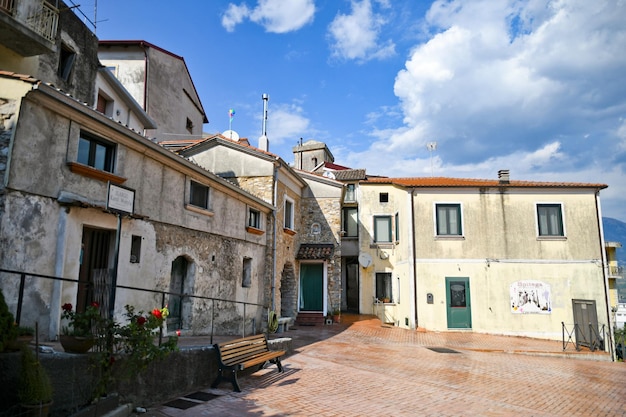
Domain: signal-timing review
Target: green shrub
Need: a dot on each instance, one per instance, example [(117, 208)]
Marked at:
[(8, 329), (34, 383)]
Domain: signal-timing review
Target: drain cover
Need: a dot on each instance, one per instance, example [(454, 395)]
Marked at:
[(442, 350), (181, 404)]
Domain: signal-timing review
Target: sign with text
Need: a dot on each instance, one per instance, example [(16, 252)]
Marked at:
[(121, 199)]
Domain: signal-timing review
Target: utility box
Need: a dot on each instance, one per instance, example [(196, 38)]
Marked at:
[(429, 298)]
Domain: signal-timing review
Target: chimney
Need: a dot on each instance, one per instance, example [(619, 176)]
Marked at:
[(503, 176)]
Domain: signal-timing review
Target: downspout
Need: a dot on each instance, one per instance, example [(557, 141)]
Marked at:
[(414, 255), (605, 267), (145, 77), (274, 214)]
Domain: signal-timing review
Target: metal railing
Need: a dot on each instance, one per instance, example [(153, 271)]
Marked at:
[(7, 6), (577, 337), (617, 271), (44, 21), (213, 300)]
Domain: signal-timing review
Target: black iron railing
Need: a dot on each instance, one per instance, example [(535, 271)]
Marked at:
[(577, 337), (5, 273)]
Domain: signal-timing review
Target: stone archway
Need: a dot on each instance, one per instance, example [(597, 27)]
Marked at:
[(288, 291)]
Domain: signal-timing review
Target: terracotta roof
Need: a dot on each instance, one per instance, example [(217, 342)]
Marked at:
[(468, 182), (315, 251), (332, 165), (22, 77)]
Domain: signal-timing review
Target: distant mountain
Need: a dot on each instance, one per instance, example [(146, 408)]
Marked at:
[(615, 231)]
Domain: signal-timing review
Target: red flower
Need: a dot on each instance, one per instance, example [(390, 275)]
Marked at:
[(141, 320), (111, 360), (67, 307), (157, 313), (95, 304)]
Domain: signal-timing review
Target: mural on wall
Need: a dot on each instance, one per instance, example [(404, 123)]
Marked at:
[(530, 297)]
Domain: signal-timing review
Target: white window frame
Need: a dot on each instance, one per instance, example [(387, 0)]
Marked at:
[(436, 218), (537, 222), (192, 207)]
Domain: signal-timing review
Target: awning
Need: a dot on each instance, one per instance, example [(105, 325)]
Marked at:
[(315, 251)]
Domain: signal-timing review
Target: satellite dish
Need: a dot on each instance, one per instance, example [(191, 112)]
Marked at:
[(231, 134), (365, 259)]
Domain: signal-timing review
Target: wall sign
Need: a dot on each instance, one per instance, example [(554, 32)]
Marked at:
[(530, 297), (121, 199)]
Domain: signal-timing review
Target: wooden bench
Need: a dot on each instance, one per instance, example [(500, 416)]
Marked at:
[(239, 354)]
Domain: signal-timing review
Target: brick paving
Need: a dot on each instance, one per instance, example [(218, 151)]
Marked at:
[(361, 368)]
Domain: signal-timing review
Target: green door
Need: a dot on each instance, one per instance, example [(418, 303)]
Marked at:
[(311, 287), (458, 303)]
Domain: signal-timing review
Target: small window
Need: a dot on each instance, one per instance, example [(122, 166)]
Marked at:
[(246, 279), (350, 222), (383, 287), (550, 220), (95, 152), (104, 104), (448, 220), (135, 249), (254, 218), (189, 125), (350, 193), (199, 195), (383, 197), (382, 229), (289, 214), (66, 62)]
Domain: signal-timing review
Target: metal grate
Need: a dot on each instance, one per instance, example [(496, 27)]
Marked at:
[(442, 350)]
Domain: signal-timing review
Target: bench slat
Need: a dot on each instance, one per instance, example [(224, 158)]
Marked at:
[(239, 354)]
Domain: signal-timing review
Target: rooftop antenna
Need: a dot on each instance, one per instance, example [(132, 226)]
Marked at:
[(264, 143), (431, 146)]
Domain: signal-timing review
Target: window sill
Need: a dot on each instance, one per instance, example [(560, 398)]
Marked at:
[(254, 230), (288, 231), (199, 210), (382, 245), (450, 237), (87, 171), (553, 238)]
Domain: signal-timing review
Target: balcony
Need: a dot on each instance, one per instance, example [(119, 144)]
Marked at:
[(28, 27), (616, 272)]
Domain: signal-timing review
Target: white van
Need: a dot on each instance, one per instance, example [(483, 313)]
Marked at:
[(620, 316)]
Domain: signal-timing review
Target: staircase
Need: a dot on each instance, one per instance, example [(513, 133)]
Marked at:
[(305, 318)]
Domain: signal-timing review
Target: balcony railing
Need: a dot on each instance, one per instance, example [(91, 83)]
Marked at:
[(44, 20), (616, 271), (7, 6)]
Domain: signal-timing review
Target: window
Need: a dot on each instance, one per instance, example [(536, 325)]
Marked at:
[(66, 62), (397, 227), (95, 152), (382, 228), (104, 104), (448, 220), (550, 220), (254, 218), (350, 193), (189, 125), (199, 195), (350, 222), (383, 197), (288, 214), (246, 278), (383, 287), (135, 249)]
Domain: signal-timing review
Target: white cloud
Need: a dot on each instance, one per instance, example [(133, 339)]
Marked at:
[(356, 36), (286, 122), (276, 16)]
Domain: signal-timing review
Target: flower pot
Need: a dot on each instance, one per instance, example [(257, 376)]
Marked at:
[(337, 318), (36, 410), (76, 344)]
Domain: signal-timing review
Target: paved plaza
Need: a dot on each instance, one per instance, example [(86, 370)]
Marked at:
[(363, 368)]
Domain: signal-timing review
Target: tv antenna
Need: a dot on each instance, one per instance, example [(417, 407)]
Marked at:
[(431, 146)]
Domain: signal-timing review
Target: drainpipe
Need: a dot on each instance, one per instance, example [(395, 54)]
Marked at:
[(274, 214), (605, 267), (414, 255)]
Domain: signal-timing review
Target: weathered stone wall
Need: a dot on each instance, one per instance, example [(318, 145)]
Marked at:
[(7, 122)]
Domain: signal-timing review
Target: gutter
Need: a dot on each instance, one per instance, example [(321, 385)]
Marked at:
[(414, 255), (274, 215), (605, 275)]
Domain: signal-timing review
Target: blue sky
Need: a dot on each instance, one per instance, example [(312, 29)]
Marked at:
[(537, 87)]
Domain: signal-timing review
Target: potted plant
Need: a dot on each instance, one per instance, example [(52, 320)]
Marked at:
[(337, 315), (34, 386), (77, 336)]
